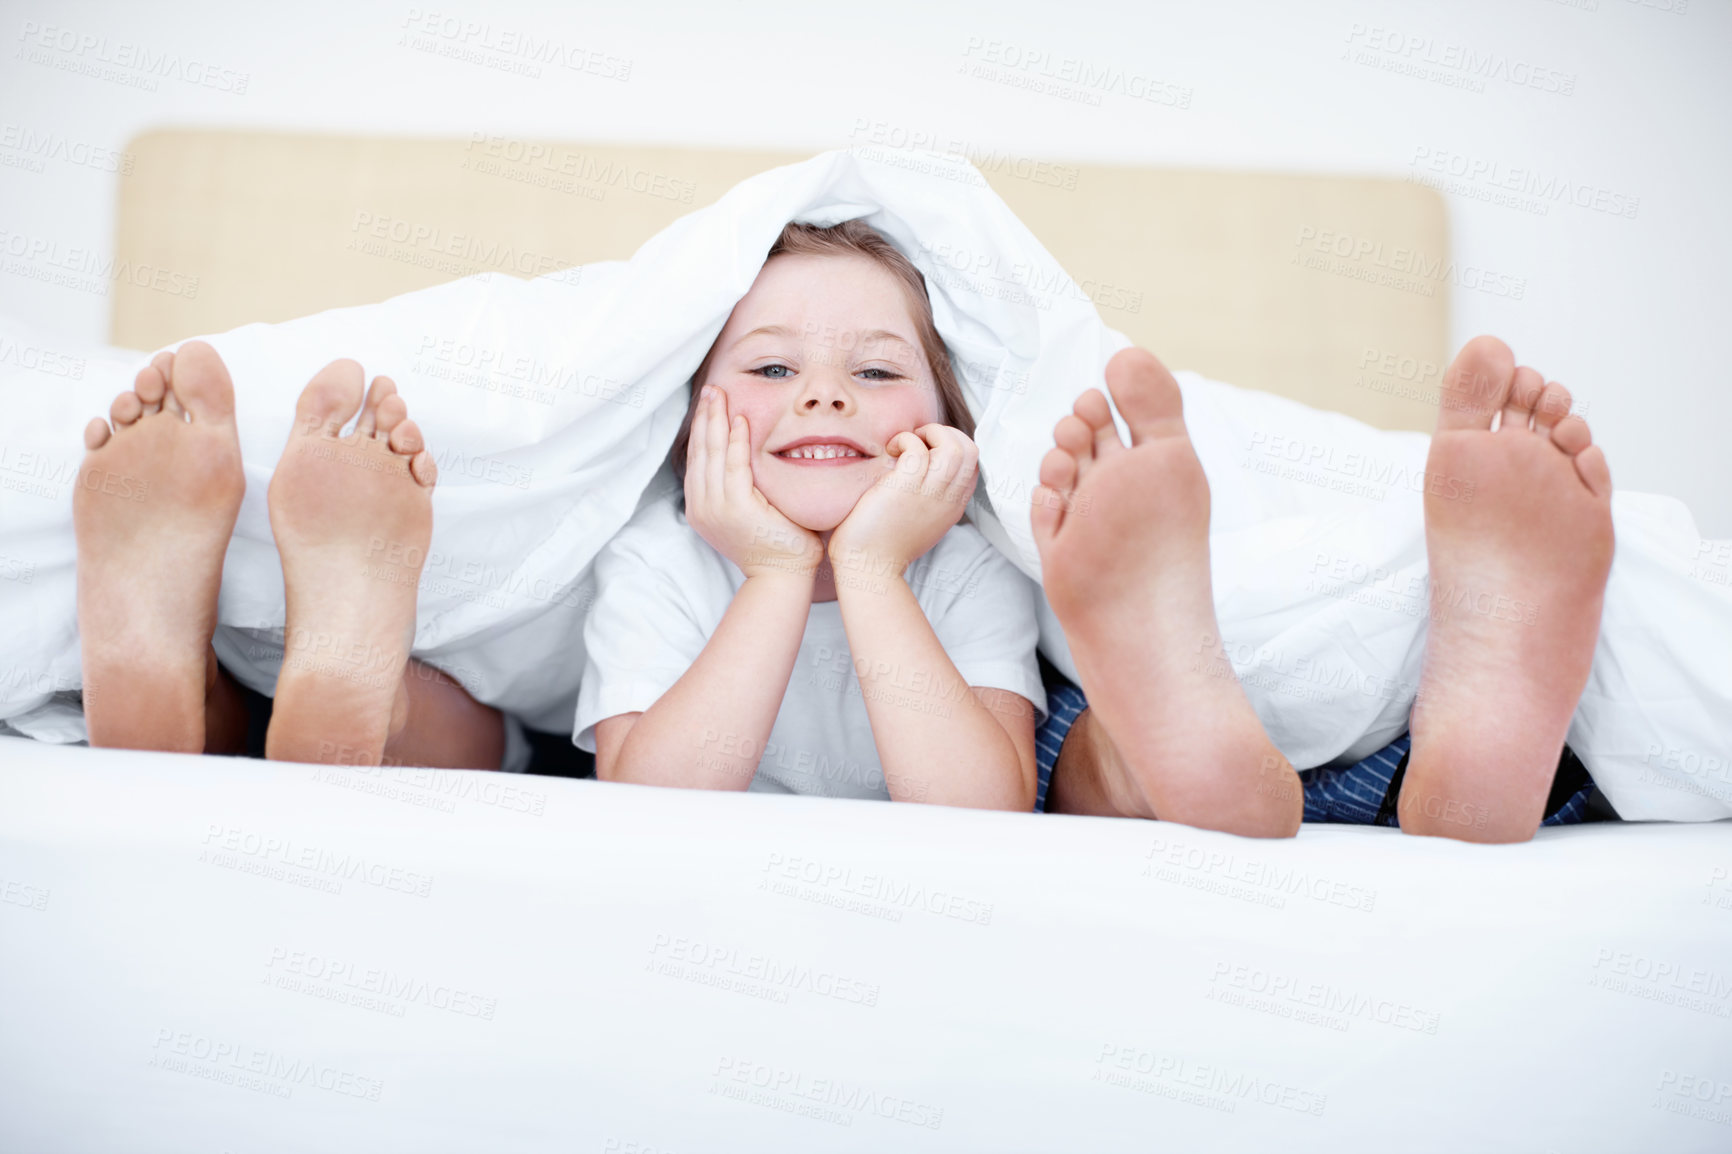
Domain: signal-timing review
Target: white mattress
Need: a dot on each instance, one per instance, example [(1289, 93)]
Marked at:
[(199, 954)]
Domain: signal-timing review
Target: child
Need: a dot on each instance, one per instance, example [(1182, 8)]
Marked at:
[(815, 620)]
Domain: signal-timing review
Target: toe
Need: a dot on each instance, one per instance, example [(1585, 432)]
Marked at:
[(1146, 395), (406, 439), (1554, 406), (96, 433), (330, 399), (1077, 438), (151, 385), (1595, 473), (368, 424), (1058, 470), (1525, 390), (1045, 513), (1476, 385), (423, 468), (201, 383), (392, 411), (1092, 407), (126, 409), (1058, 476), (1572, 435)]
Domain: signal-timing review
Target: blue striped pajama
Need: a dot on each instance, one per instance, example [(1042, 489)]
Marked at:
[(1349, 795)]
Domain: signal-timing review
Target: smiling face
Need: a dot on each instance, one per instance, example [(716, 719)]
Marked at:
[(823, 359)]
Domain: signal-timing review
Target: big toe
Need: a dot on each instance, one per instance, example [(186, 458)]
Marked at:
[(202, 384), (1146, 395), (1477, 384), (330, 398)]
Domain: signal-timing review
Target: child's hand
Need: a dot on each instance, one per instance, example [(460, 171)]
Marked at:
[(913, 505), (726, 508)]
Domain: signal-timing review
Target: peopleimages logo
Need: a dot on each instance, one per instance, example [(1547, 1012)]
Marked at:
[(39, 147), (1457, 172), (1182, 863), (797, 1087), (344, 976), (1067, 76), (254, 1067), (785, 873), (122, 61), (1334, 1004), (1416, 51), (1409, 270), (287, 859), (505, 48), (712, 963), (86, 270)]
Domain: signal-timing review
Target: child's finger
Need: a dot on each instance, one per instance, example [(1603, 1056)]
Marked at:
[(911, 454), (944, 458), (967, 459), (938, 436), (941, 465), (967, 462), (966, 476), (697, 459), (957, 476), (738, 465), (716, 431), (934, 434), (942, 439)]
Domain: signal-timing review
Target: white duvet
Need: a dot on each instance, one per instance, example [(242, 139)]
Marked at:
[(207, 954), (551, 403)]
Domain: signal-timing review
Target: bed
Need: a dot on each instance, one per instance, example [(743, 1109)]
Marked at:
[(1264, 280), (208, 954), (201, 953)]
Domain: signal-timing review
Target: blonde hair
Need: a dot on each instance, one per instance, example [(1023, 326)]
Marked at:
[(856, 238)]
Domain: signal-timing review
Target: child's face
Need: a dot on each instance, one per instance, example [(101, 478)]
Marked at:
[(823, 359)]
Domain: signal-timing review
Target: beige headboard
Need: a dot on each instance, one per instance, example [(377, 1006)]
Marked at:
[(1275, 282)]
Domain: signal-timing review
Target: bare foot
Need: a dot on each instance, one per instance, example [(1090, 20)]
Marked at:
[(352, 517), (153, 512), (1518, 577), (1123, 534)]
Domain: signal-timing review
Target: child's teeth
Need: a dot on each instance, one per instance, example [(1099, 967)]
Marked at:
[(822, 453)]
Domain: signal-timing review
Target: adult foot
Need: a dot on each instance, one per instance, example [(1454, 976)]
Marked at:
[(155, 506), (352, 516), (1518, 530), (1123, 534)]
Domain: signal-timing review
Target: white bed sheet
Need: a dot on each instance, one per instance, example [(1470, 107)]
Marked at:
[(199, 954)]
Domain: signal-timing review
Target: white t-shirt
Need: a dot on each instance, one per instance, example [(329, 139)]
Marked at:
[(662, 591)]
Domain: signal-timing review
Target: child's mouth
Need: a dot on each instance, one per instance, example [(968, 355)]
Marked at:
[(822, 451)]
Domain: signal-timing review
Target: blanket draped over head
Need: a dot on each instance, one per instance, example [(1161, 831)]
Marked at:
[(550, 405)]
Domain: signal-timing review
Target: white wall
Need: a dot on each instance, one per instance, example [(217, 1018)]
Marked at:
[(1631, 313)]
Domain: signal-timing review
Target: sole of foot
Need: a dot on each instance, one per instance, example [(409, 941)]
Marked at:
[(153, 512), (1519, 558), (1123, 534), (352, 517)]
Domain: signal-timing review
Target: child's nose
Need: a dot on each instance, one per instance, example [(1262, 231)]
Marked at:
[(824, 393)]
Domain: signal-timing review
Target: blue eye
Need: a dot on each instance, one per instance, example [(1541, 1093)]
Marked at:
[(881, 374), (773, 372)]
